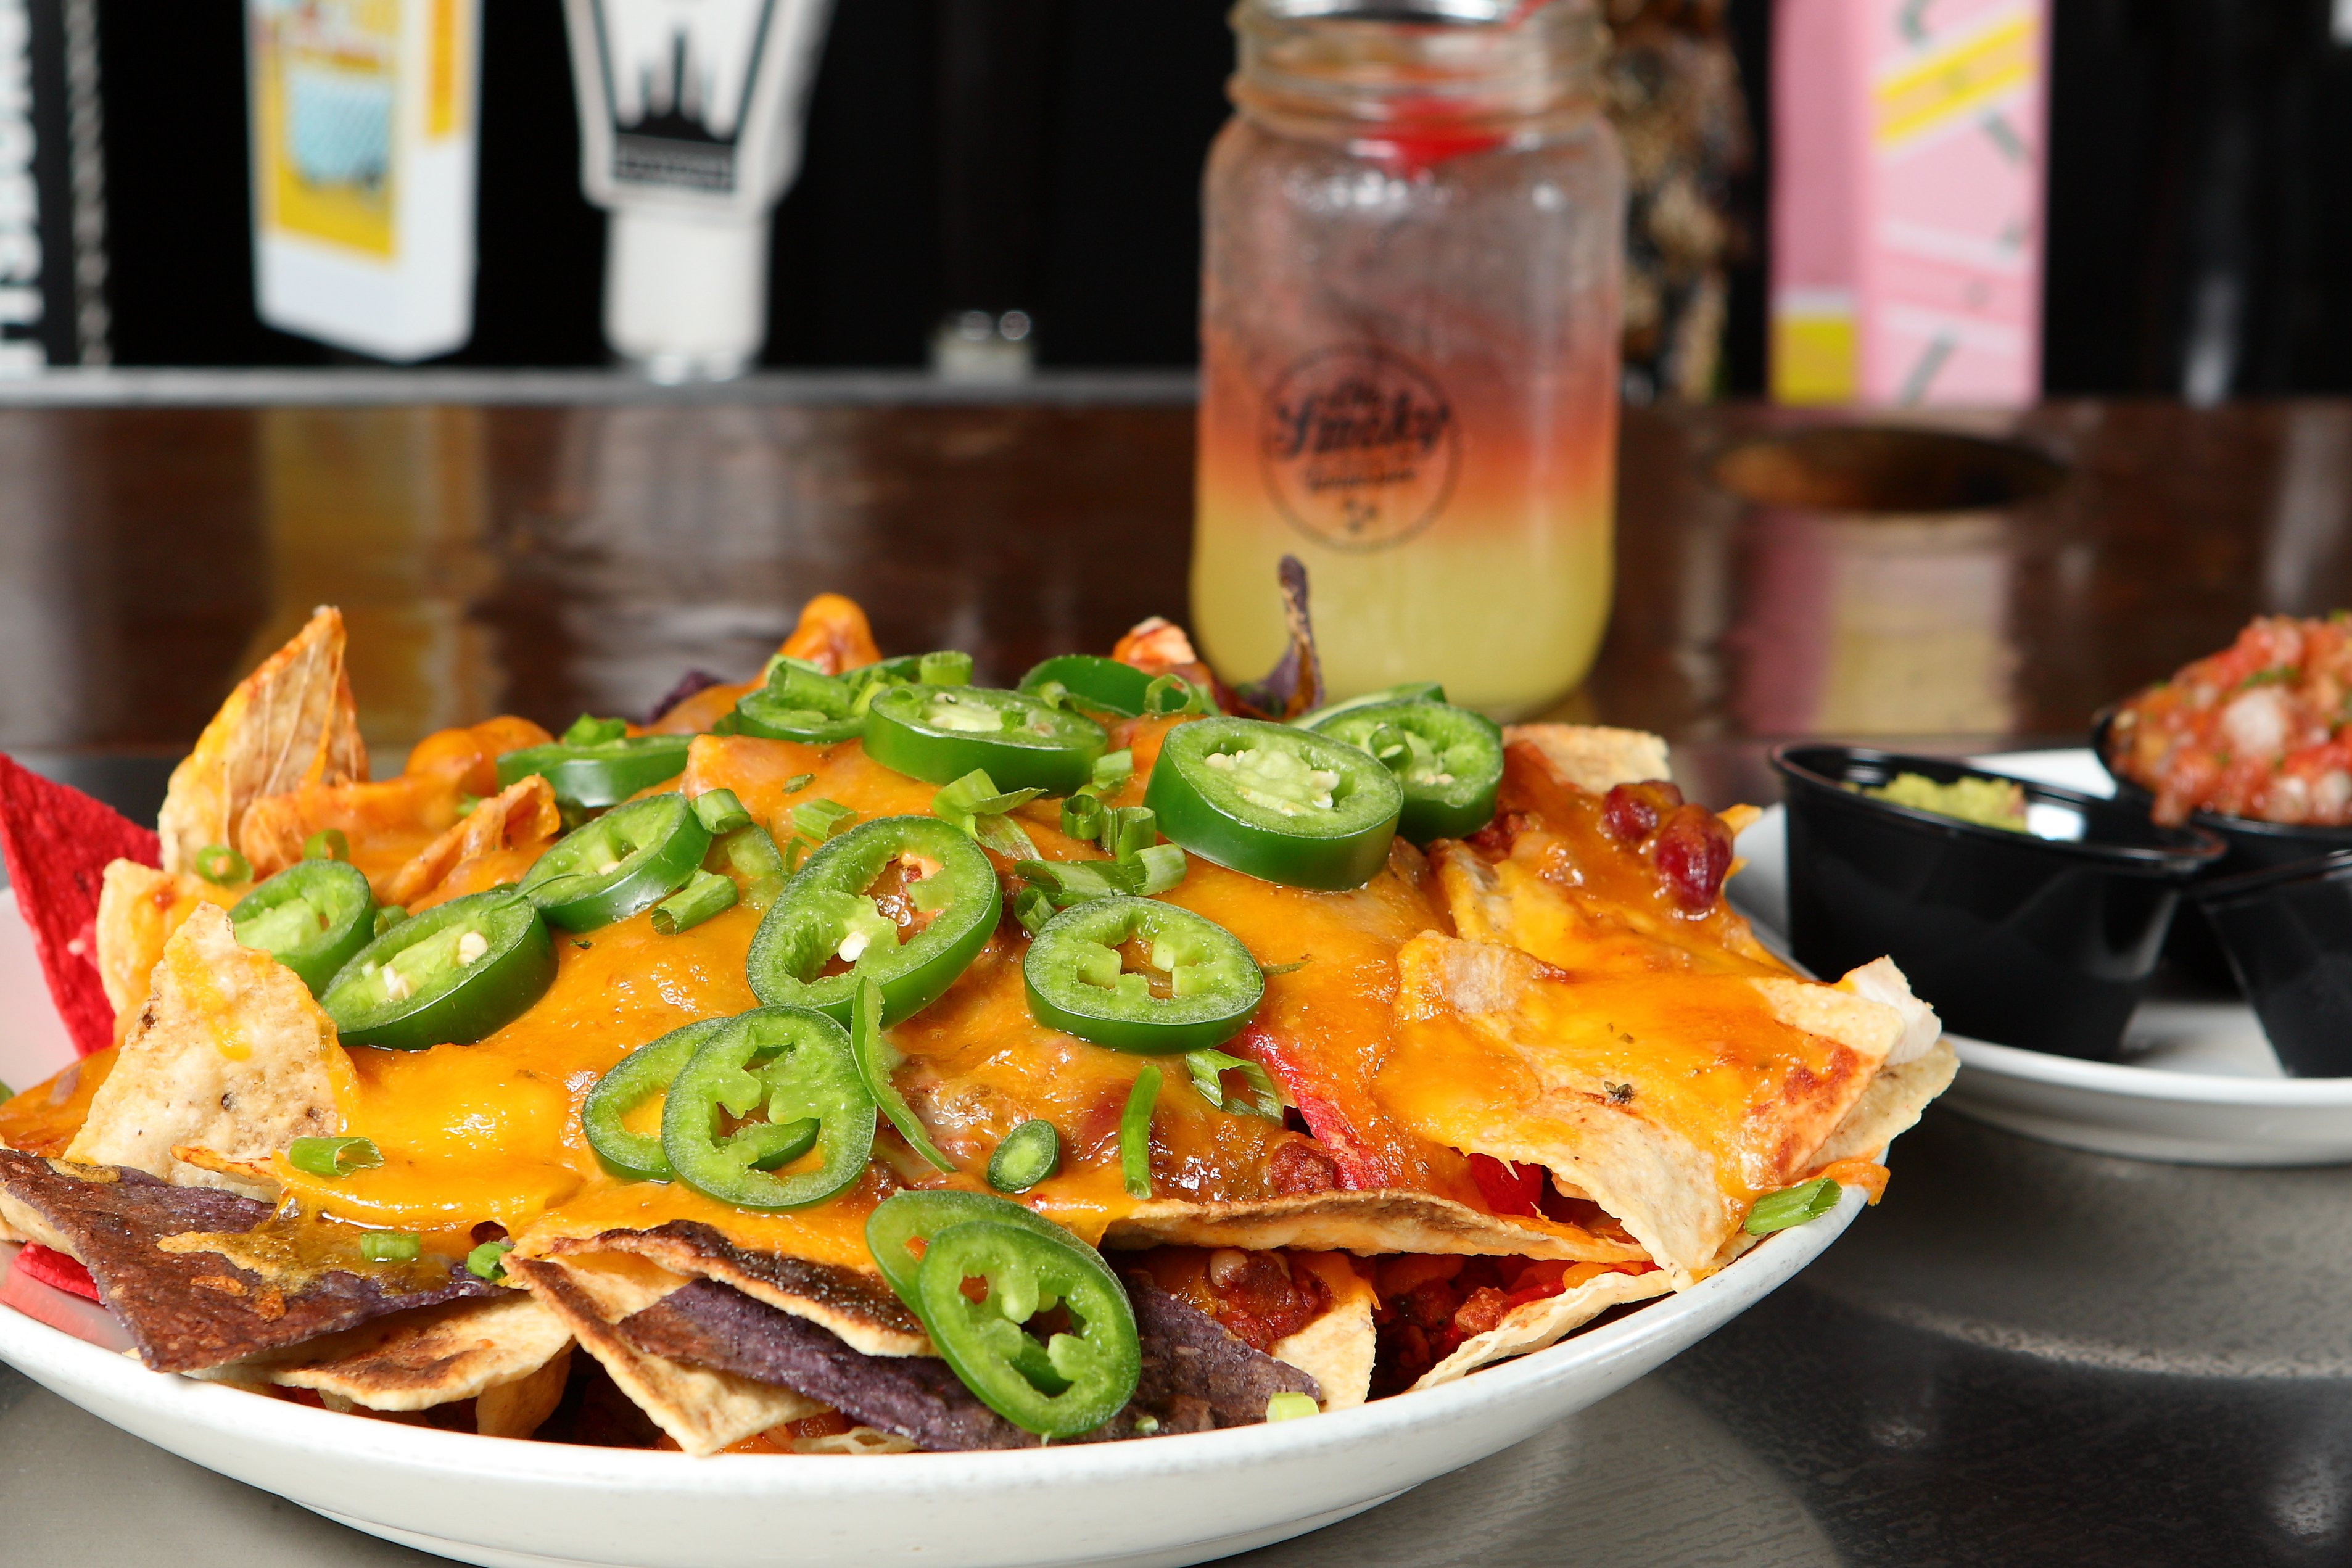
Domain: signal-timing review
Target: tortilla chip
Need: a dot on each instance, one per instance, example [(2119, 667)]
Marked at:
[(1890, 1105), (1532, 1325), (422, 1358), (1335, 1350), (248, 1178), (523, 817), (1362, 1222), (57, 843), (230, 1053), (289, 723), (516, 1409), (1499, 1055), (138, 910), (856, 1304), (702, 1410), (833, 635), (155, 1252), (1594, 757), (857, 1440)]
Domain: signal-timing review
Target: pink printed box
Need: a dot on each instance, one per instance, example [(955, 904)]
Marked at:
[(1908, 147)]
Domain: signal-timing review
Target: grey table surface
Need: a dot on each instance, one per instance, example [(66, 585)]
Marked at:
[(2026, 1355)]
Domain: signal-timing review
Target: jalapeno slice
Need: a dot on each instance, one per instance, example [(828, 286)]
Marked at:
[(1409, 692), (1208, 985), (796, 1063), (1448, 760), (1095, 681), (902, 1219), (825, 917), (635, 1078), (602, 773), (1282, 804), (1070, 1384), (449, 977), (939, 734), (628, 859), (312, 917)]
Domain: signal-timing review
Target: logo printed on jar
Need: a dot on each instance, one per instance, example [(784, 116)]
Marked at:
[(1359, 448)]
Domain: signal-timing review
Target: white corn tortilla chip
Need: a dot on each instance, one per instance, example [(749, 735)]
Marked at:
[(229, 1053), (1335, 1350), (523, 813), (291, 723), (1497, 1055), (1532, 1325), (1594, 757), (418, 1359), (703, 1410), (139, 908), (1364, 1223)]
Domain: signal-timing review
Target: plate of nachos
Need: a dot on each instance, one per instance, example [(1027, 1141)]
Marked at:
[(860, 1115)]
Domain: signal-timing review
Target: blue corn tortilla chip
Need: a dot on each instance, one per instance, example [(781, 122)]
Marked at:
[(188, 1306), (1196, 1376)]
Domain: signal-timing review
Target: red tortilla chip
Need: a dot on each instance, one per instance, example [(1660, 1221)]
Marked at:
[(57, 842), (55, 1269)]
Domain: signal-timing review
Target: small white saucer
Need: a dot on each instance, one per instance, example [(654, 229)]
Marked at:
[(2198, 1083)]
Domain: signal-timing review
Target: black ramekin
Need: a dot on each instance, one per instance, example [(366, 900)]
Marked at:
[(2042, 942), (2253, 846), (2288, 932)]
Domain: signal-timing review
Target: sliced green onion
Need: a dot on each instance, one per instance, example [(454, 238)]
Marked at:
[(391, 1246), (392, 915), (950, 669), (589, 731), (1792, 1206), (1289, 1407), (487, 1261), (1052, 693), (1168, 695), (1127, 830), (821, 819), (327, 843), (1209, 1069), (799, 782), (1033, 908), (876, 1058), (1030, 1153), (1164, 867), (333, 1156), (1082, 816), (222, 865), (1113, 769), (706, 893), (720, 811), (976, 795), (1146, 1426), (1068, 882), (1135, 1135)]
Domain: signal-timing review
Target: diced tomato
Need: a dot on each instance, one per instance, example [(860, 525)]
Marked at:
[(55, 1269), (1508, 1188)]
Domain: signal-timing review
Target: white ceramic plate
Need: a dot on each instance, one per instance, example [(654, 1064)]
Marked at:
[(2197, 1084), (1164, 1500)]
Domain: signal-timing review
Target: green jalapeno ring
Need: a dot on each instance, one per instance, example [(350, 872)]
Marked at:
[(1409, 692), (825, 906), (312, 917), (1075, 984), (1095, 681), (1282, 804), (771, 717), (604, 774), (451, 975), (1449, 760), (628, 859), (1098, 1368), (635, 1078), (939, 734), (906, 1217), (798, 1064)]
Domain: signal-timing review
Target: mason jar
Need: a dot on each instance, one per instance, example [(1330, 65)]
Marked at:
[(1408, 319)]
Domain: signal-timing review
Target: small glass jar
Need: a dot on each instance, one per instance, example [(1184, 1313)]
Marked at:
[(1408, 320)]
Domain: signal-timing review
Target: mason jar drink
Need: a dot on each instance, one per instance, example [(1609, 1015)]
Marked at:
[(1410, 302)]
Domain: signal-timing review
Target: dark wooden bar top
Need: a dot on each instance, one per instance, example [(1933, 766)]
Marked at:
[(2027, 1355)]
